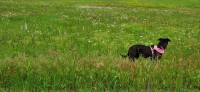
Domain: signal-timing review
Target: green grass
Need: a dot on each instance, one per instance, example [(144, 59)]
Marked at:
[(68, 45)]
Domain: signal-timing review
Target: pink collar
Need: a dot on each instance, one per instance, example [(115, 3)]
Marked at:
[(159, 50)]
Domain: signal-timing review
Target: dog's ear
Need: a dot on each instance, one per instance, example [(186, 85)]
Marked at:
[(168, 40), (160, 39)]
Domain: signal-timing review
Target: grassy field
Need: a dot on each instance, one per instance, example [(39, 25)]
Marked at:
[(70, 45)]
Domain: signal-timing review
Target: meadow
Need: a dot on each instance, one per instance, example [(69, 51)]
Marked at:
[(70, 45)]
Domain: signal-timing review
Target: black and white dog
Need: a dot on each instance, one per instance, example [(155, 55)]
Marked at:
[(153, 51)]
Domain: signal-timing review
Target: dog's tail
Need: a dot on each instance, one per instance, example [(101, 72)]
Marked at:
[(124, 56)]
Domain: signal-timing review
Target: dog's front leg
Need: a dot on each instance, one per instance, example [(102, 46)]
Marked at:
[(152, 58), (159, 56)]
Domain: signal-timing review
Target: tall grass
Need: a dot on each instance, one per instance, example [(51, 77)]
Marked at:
[(95, 73), (68, 46)]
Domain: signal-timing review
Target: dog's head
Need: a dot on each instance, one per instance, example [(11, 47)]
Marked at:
[(163, 42)]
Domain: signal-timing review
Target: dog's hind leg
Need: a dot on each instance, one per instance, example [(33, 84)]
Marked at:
[(131, 59), (137, 55), (133, 55)]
